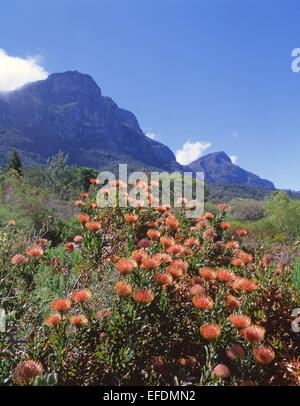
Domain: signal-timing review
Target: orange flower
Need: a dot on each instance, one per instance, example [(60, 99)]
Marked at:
[(122, 288), (167, 242), (203, 302), (70, 246), (210, 331), (174, 271), (163, 279), (93, 225), (221, 371), (224, 207), (224, 275), (27, 371), (175, 249), (144, 243), (263, 355), (172, 222), (53, 320), (81, 295), (225, 225), (163, 257), (36, 251), (11, 223), (179, 263), (61, 304), (78, 239), (153, 234), (208, 215), (241, 232), (83, 218), (207, 273), (138, 255), (94, 181), (237, 262), (197, 290), (150, 263), (78, 320), (231, 245), (84, 195), (125, 265), (143, 295), (19, 259), (131, 218), (191, 242), (79, 203), (239, 320), (232, 302), (235, 352), (247, 285), (245, 257), (254, 333), (209, 234)]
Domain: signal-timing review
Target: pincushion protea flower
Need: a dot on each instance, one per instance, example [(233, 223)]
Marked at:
[(209, 234), (197, 290), (83, 218), (221, 371), (138, 255), (53, 320), (224, 207), (11, 223), (123, 288), (235, 352), (207, 273), (19, 259), (172, 222), (153, 234), (224, 275), (143, 295), (144, 243), (210, 331), (191, 242), (179, 263), (26, 371), (78, 320), (131, 218), (188, 361), (103, 313), (163, 257), (232, 302), (84, 195), (81, 295), (78, 239), (203, 302), (125, 265), (208, 215), (264, 355), (254, 333), (163, 279), (175, 249), (150, 263), (167, 242), (241, 232), (224, 225), (35, 251), (239, 320), (93, 225), (78, 203), (61, 304), (174, 271)]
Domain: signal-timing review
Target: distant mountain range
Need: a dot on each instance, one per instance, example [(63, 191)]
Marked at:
[(67, 112)]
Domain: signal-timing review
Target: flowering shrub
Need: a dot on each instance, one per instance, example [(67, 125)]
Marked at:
[(153, 297)]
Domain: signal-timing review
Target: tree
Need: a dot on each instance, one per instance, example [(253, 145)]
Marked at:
[(14, 162), (59, 175)]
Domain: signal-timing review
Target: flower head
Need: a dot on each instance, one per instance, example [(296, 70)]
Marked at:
[(263, 355), (27, 371), (143, 295), (131, 218), (197, 290), (235, 352), (123, 288), (19, 259), (78, 320), (203, 302), (83, 218), (81, 295), (53, 320), (61, 304), (172, 222), (125, 265), (207, 273), (163, 279), (210, 331), (254, 333), (239, 320), (93, 225), (221, 371)]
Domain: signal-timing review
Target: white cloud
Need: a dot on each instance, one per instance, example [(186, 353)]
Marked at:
[(233, 158), (235, 135), (16, 71), (151, 135), (191, 151)]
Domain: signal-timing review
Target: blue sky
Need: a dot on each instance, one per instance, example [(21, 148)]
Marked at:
[(212, 72)]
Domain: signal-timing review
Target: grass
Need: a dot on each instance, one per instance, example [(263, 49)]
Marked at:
[(296, 276)]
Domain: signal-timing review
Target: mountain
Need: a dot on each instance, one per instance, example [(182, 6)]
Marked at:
[(218, 168), (67, 112)]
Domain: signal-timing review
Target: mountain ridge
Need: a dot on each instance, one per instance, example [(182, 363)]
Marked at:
[(67, 111)]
